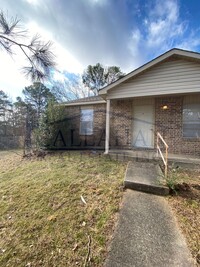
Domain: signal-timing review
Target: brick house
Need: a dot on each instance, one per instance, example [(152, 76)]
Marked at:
[(161, 96)]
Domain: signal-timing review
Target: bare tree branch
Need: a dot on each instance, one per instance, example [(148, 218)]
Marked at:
[(69, 89)]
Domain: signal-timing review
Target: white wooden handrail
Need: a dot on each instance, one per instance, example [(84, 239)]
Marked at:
[(165, 159)]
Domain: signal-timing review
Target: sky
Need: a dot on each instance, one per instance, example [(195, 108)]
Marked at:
[(125, 33)]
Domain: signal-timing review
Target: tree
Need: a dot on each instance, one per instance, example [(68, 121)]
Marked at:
[(5, 103), (97, 76), (70, 88), (6, 112), (112, 74), (37, 53), (52, 119), (19, 116), (36, 97), (29, 112)]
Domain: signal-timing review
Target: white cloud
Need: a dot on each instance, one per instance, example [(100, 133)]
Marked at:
[(191, 42), (12, 80), (134, 42), (34, 28), (164, 28), (161, 29), (134, 47), (33, 2), (64, 59), (99, 2), (164, 24), (122, 33)]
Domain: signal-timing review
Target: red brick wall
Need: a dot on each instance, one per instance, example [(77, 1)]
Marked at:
[(72, 136), (169, 124), (121, 123)]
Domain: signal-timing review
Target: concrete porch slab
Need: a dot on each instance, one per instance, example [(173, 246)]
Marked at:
[(150, 155), (146, 177)]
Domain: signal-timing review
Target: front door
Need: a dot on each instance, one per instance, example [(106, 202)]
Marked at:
[(143, 126)]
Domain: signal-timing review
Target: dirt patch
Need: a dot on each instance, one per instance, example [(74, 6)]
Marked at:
[(185, 202)]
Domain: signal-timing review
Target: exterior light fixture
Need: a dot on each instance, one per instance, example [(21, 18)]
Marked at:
[(165, 107)]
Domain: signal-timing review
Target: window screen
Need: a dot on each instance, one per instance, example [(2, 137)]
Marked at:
[(86, 123), (191, 120)]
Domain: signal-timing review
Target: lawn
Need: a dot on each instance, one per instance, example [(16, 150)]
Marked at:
[(185, 203), (57, 211)]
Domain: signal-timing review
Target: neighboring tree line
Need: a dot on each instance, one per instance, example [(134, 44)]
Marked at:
[(34, 116), (93, 79), (23, 117)]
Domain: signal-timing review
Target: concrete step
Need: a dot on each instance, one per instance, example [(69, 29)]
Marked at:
[(146, 177)]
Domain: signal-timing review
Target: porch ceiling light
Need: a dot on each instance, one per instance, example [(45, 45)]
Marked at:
[(164, 107)]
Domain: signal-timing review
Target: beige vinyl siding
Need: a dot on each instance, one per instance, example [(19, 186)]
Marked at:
[(170, 77)]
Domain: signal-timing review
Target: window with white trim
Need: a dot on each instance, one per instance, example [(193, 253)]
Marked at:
[(191, 120), (86, 121)]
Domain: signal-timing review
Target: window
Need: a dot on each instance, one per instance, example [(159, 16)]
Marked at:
[(191, 120), (86, 123)]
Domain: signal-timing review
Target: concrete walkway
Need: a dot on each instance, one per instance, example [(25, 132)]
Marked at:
[(147, 235)]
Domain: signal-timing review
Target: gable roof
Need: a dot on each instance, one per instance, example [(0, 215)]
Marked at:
[(166, 55), (91, 100)]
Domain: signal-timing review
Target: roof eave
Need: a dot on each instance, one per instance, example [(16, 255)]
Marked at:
[(172, 52), (83, 103)]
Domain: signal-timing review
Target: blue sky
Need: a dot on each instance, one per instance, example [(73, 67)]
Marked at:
[(126, 33)]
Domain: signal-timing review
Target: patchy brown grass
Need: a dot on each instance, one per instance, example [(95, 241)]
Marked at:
[(186, 205), (44, 222)]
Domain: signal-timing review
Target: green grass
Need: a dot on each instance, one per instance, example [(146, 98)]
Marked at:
[(43, 221)]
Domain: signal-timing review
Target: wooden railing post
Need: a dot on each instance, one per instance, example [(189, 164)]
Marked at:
[(165, 159), (157, 140)]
